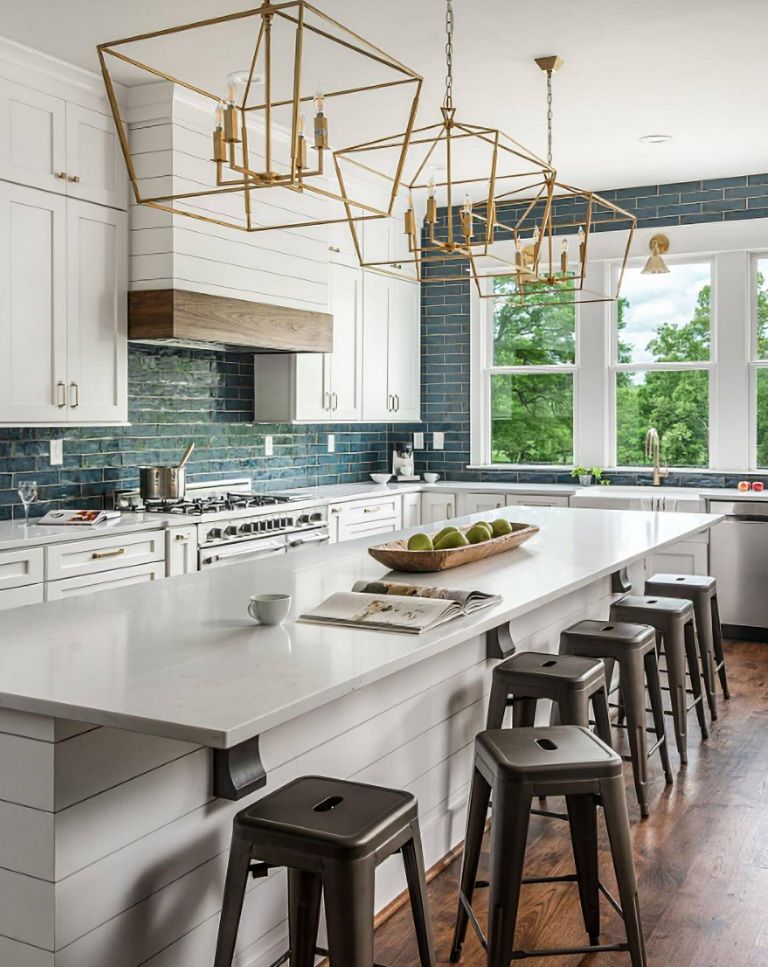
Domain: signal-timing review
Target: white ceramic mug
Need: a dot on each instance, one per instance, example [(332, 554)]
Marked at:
[(269, 609), (431, 477)]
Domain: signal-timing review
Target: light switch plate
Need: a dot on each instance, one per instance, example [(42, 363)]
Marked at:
[(268, 448), (331, 443), (418, 441), (56, 453), (438, 441)]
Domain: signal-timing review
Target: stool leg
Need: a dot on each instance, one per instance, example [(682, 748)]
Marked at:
[(617, 823), (349, 895), (479, 798), (413, 861), (582, 815), (717, 642), (234, 894), (602, 715), (657, 710), (695, 674), (497, 705), (703, 614), (632, 675), (509, 831), (524, 713), (574, 707), (674, 650), (304, 894)]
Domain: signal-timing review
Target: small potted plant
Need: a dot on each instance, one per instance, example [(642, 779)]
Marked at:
[(588, 476)]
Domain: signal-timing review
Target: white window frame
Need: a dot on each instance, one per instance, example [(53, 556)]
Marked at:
[(711, 366), (482, 369), (755, 364)]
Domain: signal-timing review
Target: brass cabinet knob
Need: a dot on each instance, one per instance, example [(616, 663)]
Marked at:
[(62, 175), (75, 178)]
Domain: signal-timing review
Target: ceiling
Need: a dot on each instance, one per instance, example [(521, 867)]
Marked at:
[(692, 69)]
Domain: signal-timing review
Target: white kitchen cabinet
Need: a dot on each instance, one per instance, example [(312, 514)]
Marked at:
[(384, 241), (437, 507), (362, 518), (318, 387), (480, 503), (685, 557), (391, 349), (63, 325), (181, 550), (536, 500), (411, 510), (121, 577), (18, 597), (341, 246), (96, 555), (48, 143), (20, 567)]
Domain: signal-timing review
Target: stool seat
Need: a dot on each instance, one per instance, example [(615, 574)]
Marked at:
[(329, 817), (692, 583), (644, 606), (540, 668), (555, 753), (613, 637)]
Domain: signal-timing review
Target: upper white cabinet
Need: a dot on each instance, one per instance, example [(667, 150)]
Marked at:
[(319, 387), (63, 332), (392, 349), (46, 142), (384, 240)]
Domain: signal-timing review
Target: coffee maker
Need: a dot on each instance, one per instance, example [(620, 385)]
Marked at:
[(402, 462)]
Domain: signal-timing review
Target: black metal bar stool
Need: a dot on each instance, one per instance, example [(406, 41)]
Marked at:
[(702, 593), (331, 835), (569, 682), (518, 764), (633, 648), (673, 620)]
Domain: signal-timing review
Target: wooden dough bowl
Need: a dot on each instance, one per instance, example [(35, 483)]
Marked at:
[(396, 556)]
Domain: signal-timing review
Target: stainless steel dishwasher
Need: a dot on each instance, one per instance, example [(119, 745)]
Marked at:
[(738, 558)]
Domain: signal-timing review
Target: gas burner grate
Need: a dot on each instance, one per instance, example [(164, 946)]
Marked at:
[(198, 506)]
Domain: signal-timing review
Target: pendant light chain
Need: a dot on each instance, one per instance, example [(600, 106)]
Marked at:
[(448, 101), (549, 118)]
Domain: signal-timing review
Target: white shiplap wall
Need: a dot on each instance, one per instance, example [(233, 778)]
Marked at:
[(113, 851)]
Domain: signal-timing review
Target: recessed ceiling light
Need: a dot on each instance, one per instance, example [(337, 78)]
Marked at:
[(655, 138)]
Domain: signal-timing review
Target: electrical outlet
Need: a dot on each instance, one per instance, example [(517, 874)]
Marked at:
[(268, 448), (331, 443), (438, 441), (418, 441), (56, 453)]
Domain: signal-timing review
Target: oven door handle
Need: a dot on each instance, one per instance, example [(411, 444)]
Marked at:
[(310, 540), (260, 550)]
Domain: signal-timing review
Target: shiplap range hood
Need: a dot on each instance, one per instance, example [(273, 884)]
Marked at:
[(181, 318)]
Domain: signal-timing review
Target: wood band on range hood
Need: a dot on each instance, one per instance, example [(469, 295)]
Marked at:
[(195, 318)]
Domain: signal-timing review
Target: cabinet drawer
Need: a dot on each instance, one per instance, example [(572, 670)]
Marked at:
[(99, 554), (369, 529), (379, 509), (122, 577), (16, 597), (534, 501), (20, 567)]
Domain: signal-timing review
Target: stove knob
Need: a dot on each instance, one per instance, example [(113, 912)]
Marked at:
[(231, 531), (317, 516), (215, 533), (245, 528), (286, 522)]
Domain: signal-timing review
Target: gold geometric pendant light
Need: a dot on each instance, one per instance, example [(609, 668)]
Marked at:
[(272, 151), (446, 162), (546, 270)]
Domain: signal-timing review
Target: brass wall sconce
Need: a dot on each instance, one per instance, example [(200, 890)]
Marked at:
[(659, 245)]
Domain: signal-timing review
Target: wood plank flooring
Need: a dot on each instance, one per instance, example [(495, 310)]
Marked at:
[(701, 857)]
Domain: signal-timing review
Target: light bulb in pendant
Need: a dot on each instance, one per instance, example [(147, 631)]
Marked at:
[(564, 256), (431, 202), (302, 146), (321, 122)]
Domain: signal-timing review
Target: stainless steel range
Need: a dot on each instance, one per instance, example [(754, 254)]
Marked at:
[(234, 525)]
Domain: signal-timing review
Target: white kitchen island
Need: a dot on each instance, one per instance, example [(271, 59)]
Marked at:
[(113, 847)]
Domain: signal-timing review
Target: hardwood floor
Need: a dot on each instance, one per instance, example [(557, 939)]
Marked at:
[(701, 857)]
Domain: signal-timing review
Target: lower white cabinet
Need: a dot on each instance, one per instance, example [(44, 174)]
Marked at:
[(21, 566), (16, 597), (686, 557), (99, 554), (363, 518), (411, 510), (121, 577), (181, 550), (479, 503), (437, 507), (536, 501)]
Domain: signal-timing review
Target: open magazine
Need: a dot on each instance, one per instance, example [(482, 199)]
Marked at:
[(402, 608), (81, 517)]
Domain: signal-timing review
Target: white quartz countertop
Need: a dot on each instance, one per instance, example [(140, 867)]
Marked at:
[(182, 659), (16, 534)]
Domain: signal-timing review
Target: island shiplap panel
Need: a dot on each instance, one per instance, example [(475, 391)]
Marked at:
[(23, 955), (171, 144)]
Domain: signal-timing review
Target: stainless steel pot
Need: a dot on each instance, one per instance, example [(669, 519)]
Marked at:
[(162, 483), (165, 483)]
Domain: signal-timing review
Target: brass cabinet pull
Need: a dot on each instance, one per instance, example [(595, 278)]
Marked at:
[(335, 400), (371, 510), (390, 402), (327, 396), (448, 511), (397, 403), (183, 537), (98, 556), (335, 510), (76, 388), (61, 385), (75, 178)]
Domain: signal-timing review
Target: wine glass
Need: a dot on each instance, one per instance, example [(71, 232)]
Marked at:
[(28, 493)]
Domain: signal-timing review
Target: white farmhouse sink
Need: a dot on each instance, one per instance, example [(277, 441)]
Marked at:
[(680, 499)]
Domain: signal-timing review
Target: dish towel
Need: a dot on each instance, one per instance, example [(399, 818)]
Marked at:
[(658, 503)]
